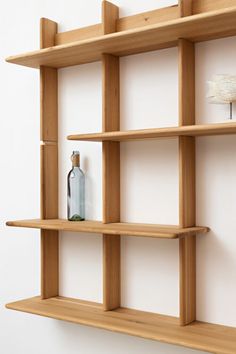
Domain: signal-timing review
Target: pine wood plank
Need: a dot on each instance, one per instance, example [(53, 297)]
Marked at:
[(200, 6), (128, 229), (187, 209), (122, 24), (185, 7), (155, 133), (49, 181), (148, 18), (79, 34), (49, 165), (49, 104), (200, 27), (198, 335), (48, 30), (110, 15), (111, 163)]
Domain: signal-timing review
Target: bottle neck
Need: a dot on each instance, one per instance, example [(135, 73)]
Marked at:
[(75, 165)]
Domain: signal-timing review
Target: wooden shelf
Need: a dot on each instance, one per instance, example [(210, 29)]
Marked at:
[(189, 130), (198, 335), (199, 27), (128, 229)]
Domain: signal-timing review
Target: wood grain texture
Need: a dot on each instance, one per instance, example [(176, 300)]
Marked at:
[(49, 104), (111, 93), (155, 133), (187, 198), (111, 163), (122, 24), (128, 229), (200, 27), (48, 30), (111, 181), (198, 335), (200, 6), (185, 7), (49, 181), (147, 18), (187, 208), (78, 34), (110, 15), (111, 272), (49, 165), (49, 264), (186, 83)]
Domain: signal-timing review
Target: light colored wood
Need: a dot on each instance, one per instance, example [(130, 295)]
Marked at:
[(128, 229), (187, 212), (186, 83), (49, 104), (49, 263), (147, 18), (110, 15), (49, 165), (111, 163), (111, 93), (111, 272), (155, 133), (214, 24), (187, 208), (49, 181), (79, 34), (185, 7), (48, 30), (198, 335), (111, 181), (200, 6), (122, 24)]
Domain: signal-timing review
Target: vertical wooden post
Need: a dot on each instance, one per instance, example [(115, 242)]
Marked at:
[(49, 165), (185, 7), (187, 245), (111, 164)]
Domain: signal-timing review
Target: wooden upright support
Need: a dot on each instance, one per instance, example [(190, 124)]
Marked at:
[(49, 165), (187, 245), (111, 164)]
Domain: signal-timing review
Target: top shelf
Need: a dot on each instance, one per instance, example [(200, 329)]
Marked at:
[(197, 28), (155, 133)]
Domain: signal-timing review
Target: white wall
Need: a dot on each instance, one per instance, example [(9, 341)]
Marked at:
[(149, 184)]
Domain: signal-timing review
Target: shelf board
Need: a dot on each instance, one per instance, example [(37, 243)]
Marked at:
[(198, 335), (200, 27), (128, 229), (143, 134)]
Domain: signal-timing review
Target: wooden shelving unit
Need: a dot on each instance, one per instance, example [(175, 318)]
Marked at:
[(181, 25)]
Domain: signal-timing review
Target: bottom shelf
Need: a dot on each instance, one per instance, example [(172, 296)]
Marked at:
[(198, 335)]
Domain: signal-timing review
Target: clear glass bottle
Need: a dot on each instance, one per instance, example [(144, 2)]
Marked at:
[(75, 190)]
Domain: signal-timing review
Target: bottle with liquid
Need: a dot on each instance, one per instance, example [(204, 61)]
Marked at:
[(75, 190)]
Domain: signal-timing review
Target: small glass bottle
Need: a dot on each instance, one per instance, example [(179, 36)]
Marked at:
[(75, 190)]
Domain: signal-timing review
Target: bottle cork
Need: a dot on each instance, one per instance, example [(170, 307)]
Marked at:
[(75, 158)]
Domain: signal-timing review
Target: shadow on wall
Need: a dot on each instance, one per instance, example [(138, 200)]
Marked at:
[(105, 341)]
